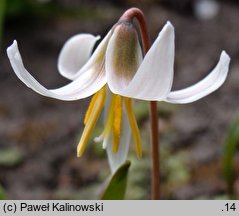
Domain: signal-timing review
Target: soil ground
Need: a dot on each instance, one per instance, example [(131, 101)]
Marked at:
[(38, 135)]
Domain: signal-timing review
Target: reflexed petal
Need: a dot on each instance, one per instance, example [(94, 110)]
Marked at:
[(75, 53), (117, 159), (91, 79), (123, 57), (153, 80), (204, 87)]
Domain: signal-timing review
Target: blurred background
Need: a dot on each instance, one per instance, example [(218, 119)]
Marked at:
[(38, 135)]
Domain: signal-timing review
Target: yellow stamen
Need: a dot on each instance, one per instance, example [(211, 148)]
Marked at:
[(91, 119), (134, 126), (117, 123), (108, 125), (90, 107)]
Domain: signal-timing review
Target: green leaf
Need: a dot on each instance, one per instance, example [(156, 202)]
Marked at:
[(10, 157), (3, 195), (116, 188), (230, 150)]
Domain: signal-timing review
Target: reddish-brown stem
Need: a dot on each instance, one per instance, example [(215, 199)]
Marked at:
[(155, 151), (155, 181), (138, 14)]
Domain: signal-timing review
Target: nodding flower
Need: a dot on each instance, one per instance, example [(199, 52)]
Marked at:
[(117, 72)]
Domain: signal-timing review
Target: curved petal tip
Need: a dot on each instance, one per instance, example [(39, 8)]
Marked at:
[(225, 57), (12, 49), (169, 25), (206, 86), (87, 84)]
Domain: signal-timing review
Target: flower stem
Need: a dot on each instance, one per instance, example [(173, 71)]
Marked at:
[(155, 185), (155, 180)]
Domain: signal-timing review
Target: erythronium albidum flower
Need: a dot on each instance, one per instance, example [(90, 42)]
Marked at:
[(116, 72)]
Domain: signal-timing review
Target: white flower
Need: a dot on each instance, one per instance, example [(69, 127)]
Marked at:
[(118, 62)]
